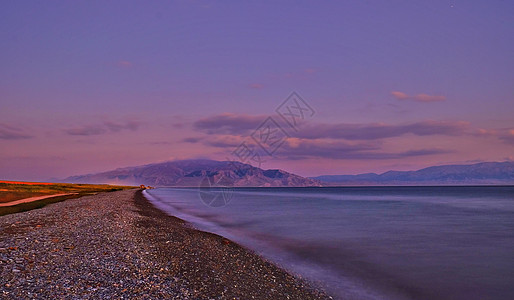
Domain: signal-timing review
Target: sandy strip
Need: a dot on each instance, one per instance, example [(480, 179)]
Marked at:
[(31, 199), (119, 246), (26, 183)]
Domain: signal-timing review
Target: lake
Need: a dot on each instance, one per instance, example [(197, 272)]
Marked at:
[(369, 242)]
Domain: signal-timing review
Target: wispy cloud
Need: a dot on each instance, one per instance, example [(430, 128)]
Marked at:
[(244, 124), (256, 86), (509, 135), (116, 127), (106, 127), (376, 131), (192, 140), (419, 97), (124, 64), (341, 140), (506, 135), (218, 141), (12, 133), (224, 141), (86, 130), (297, 148), (302, 149), (228, 123)]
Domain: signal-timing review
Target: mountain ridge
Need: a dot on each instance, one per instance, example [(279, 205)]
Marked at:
[(454, 174), (193, 172)]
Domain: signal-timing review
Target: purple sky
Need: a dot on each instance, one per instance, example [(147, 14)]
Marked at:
[(87, 86)]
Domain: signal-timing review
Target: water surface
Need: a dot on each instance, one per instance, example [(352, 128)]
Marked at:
[(371, 242)]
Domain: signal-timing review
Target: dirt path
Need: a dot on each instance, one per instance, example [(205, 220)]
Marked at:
[(26, 200)]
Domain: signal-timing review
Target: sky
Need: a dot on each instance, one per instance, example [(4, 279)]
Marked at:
[(311, 87)]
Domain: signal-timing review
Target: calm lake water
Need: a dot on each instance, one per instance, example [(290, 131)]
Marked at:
[(371, 242)]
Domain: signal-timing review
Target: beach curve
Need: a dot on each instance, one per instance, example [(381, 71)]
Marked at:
[(119, 245)]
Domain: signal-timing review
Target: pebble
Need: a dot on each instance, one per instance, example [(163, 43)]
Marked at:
[(117, 245)]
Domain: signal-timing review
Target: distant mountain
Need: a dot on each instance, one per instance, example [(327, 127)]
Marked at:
[(481, 173), (194, 173)]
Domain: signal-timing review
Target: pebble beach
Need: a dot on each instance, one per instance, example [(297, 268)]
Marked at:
[(118, 245)]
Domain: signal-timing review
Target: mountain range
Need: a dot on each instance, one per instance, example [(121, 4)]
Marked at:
[(480, 173), (194, 173)]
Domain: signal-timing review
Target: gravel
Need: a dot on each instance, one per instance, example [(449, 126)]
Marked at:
[(117, 245)]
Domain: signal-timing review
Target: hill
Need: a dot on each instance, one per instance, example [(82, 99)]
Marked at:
[(480, 173), (192, 172)]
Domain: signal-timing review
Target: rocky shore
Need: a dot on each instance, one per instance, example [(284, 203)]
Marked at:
[(117, 245)]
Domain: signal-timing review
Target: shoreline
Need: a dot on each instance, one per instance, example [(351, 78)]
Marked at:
[(119, 245), (279, 282)]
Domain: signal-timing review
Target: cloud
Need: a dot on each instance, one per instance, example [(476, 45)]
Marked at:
[(341, 140), (228, 123), (245, 124), (11, 133), (297, 148), (256, 86), (86, 130), (192, 140), (400, 95), (303, 149), (159, 143), (226, 141), (106, 127), (124, 64), (219, 141), (486, 132), (380, 130), (293, 148), (419, 97), (508, 136), (116, 127)]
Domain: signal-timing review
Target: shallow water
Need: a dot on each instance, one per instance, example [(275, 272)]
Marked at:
[(371, 242)]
